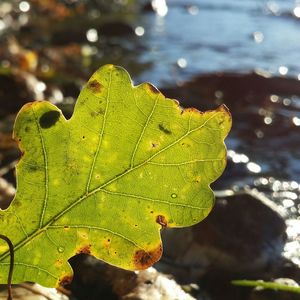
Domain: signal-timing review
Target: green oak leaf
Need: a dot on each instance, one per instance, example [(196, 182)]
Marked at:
[(127, 163)]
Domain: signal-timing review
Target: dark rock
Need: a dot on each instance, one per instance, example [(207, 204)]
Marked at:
[(116, 29), (236, 90), (94, 279), (67, 34), (242, 235), (90, 281)]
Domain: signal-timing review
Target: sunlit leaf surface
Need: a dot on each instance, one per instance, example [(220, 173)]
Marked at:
[(127, 163)]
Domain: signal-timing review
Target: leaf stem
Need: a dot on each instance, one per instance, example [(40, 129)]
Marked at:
[(11, 265)]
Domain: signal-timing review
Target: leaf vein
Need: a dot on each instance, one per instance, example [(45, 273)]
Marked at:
[(154, 200), (30, 266), (142, 133), (101, 135), (46, 171)]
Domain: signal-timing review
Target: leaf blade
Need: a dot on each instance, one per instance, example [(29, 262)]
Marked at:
[(127, 163)]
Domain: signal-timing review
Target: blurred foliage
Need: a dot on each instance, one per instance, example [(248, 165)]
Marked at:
[(48, 47)]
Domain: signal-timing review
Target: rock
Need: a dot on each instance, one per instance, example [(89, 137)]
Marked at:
[(117, 28), (94, 279), (238, 91), (7, 193), (145, 285), (242, 235)]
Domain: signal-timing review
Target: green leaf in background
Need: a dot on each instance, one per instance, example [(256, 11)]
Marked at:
[(275, 286), (127, 163)]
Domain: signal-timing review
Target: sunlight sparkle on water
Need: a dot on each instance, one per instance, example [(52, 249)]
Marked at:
[(273, 7), (253, 167), (139, 31), (294, 185), (283, 70), (296, 121), (259, 134), (24, 6), (268, 120), (274, 98), (160, 6), (297, 11), (264, 181), (92, 35), (258, 37), (291, 248), (182, 63), (238, 157), (288, 203), (286, 101), (193, 10)]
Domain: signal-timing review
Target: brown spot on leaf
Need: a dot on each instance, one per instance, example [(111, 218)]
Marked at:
[(95, 86), (197, 179), (221, 122), (162, 220), (85, 249), (152, 88), (58, 263), (66, 279), (145, 259), (49, 119), (192, 110)]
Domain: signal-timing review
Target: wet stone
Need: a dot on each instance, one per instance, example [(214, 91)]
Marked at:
[(241, 235), (94, 279)]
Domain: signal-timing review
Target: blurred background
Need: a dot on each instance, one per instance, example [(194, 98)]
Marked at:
[(245, 54)]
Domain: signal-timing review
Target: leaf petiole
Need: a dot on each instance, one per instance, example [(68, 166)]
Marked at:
[(11, 265)]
